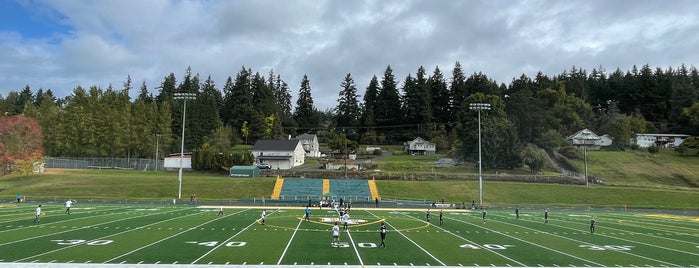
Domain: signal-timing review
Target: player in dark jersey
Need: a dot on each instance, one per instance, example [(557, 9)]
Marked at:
[(546, 216), (427, 215), (592, 225), (383, 232), (517, 212), (485, 214)]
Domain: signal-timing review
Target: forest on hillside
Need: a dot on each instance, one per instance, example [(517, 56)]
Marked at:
[(528, 112)]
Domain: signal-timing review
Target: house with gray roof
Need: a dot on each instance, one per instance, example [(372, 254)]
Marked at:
[(280, 154), (310, 144)]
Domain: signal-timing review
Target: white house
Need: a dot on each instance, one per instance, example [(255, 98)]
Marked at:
[(280, 154), (587, 139), (419, 146), (660, 140), (309, 142)]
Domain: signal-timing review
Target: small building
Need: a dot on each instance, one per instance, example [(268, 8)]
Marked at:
[(419, 146), (445, 162), (589, 140), (310, 144), (244, 171), (350, 164), (279, 154), (658, 140), (172, 162)]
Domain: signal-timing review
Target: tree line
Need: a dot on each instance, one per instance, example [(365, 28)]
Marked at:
[(529, 112)]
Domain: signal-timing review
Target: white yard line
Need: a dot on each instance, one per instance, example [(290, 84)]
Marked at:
[(421, 248), (84, 227), (633, 241), (531, 243), (361, 262), (32, 225), (289, 243), (67, 247), (567, 219), (225, 241), (585, 243)]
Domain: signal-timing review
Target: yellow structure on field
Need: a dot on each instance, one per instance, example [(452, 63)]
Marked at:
[(326, 186), (373, 189), (277, 188)]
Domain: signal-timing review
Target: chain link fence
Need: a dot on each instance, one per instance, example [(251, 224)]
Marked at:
[(104, 163)]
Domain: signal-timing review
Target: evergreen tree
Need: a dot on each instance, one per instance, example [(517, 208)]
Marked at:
[(347, 112), (440, 99), (306, 114), (387, 110), (457, 90)]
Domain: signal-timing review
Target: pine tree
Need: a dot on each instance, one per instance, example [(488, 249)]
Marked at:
[(439, 101), (306, 114), (347, 111)]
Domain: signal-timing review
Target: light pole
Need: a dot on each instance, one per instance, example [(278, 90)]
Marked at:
[(157, 148), (479, 106), (184, 97)]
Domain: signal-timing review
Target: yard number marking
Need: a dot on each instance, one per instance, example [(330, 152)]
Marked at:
[(73, 242), (607, 247), (214, 243), (488, 246)]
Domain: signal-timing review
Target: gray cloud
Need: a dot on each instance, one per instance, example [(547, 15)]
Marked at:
[(325, 40)]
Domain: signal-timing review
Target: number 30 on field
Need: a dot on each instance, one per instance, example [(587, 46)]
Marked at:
[(487, 246)]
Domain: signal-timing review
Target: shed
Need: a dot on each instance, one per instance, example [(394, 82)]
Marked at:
[(245, 171)]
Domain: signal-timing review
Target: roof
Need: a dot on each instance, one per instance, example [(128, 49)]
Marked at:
[(584, 134), (663, 135), (275, 145), (306, 136)]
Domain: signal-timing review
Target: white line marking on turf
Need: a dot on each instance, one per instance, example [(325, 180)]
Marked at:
[(103, 237), (588, 243), (406, 237), (535, 244), (361, 262), (85, 227), (289, 243), (224, 242), (140, 248)]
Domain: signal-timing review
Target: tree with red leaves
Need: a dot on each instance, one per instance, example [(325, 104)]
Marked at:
[(20, 142)]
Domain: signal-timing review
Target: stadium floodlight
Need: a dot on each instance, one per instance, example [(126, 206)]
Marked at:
[(184, 97), (478, 106)]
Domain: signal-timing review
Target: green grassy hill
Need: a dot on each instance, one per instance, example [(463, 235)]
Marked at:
[(665, 169)]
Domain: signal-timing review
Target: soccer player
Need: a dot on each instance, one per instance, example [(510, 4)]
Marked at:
[(38, 214), (69, 203), (441, 218), (517, 212), (485, 213), (263, 216), (336, 235), (592, 225), (546, 216), (427, 215), (383, 232), (19, 198), (308, 214), (346, 219), (220, 210)]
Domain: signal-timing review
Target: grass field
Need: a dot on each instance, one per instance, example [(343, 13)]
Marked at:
[(183, 234)]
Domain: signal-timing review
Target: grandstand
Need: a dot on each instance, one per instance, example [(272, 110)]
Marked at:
[(301, 188)]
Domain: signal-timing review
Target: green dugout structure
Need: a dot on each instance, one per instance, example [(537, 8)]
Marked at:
[(244, 171)]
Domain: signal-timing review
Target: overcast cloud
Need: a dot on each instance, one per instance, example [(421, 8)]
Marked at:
[(59, 45)]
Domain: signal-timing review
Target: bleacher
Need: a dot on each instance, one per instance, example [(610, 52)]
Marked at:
[(351, 189), (301, 189)]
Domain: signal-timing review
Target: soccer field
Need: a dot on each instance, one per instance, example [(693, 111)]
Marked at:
[(187, 235)]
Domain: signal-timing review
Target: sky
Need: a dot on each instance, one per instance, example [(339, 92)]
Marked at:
[(62, 44)]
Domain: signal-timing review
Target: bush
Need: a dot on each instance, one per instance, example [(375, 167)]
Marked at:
[(377, 152), (653, 149)]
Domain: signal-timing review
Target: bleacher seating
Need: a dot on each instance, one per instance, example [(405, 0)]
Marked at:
[(301, 188), (350, 189)]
